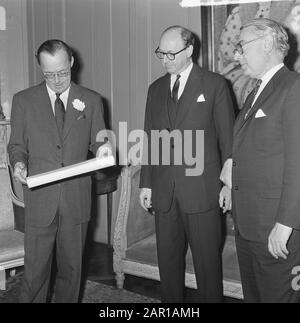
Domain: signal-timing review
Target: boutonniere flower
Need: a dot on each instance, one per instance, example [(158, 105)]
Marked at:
[(78, 105)]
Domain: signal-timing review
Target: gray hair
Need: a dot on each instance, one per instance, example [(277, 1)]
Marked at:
[(265, 26)]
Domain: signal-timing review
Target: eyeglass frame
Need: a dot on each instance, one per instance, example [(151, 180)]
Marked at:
[(50, 76), (239, 47), (173, 55)]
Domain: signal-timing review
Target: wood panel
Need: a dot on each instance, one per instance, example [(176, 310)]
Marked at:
[(38, 32), (13, 52)]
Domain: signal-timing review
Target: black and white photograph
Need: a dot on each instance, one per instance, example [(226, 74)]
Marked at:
[(149, 154)]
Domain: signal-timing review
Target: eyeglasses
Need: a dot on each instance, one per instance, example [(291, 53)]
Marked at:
[(170, 56), (239, 46), (61, 74)]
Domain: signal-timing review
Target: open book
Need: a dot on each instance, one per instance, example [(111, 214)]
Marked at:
[(70, 171)]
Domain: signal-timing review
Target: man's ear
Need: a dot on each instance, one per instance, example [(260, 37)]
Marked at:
[(190, 50), (268, 44), (72, 61)]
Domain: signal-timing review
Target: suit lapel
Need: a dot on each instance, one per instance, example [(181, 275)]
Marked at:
[(48, 118), (165, 90), (191, 88), (71, 113), (262, 97), (267, 91)]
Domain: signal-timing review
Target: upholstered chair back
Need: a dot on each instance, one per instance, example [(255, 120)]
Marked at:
[(140, 223), (6, 207)]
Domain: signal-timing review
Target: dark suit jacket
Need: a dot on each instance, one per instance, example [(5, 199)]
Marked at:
[(215, 116), (35, 141), (266, 160)]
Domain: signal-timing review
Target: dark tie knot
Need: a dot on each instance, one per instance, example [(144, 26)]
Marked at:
[(175, 89), (256, 87), (250, 98), (258, 83), (176, 83), (59, 111)]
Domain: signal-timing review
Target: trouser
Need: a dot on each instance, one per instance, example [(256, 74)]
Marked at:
[(266, 279), (39, 243), (174, 231)]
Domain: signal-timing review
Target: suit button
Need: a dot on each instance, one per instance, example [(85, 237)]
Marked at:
[(172, 146), (58, 147), (62, 164), (236, 188), (234, 163)]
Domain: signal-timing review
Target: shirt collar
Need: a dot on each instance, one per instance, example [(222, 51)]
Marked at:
[(183, 75), (267, 76), (63, 95)]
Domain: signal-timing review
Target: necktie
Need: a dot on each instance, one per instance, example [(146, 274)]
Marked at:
[(250, 97), (175, 90), (59, 113)]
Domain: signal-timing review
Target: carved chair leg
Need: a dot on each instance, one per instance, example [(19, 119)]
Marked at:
[(120, 277), (2, 278)]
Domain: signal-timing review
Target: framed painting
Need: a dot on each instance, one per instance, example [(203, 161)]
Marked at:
[(221, 28)]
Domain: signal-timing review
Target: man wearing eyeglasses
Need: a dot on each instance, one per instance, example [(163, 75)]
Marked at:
[(53, 125), (266, 168), (187, 207)]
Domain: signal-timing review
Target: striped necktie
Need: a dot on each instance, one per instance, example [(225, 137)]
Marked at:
[(250, 97), (175, 90)]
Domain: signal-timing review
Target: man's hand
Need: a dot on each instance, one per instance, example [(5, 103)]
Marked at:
[(225, 199), (20, 172), (226, 173), (104, 151), (145, 198), (278, 239)]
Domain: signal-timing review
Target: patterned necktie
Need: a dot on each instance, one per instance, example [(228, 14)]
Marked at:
[(59, 113), (250, 97), (175, 89)]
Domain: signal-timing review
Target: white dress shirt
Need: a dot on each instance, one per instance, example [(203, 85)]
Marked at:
[(64, 97), (182, 81), (266, 78)]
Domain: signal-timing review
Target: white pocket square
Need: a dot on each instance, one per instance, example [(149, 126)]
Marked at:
[(201, 98), (260, 114)]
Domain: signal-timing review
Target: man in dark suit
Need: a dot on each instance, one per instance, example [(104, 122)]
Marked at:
[(266, 167), (54, 124), (186, 205)]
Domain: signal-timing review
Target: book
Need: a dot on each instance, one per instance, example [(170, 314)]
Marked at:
[(69, 171)]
